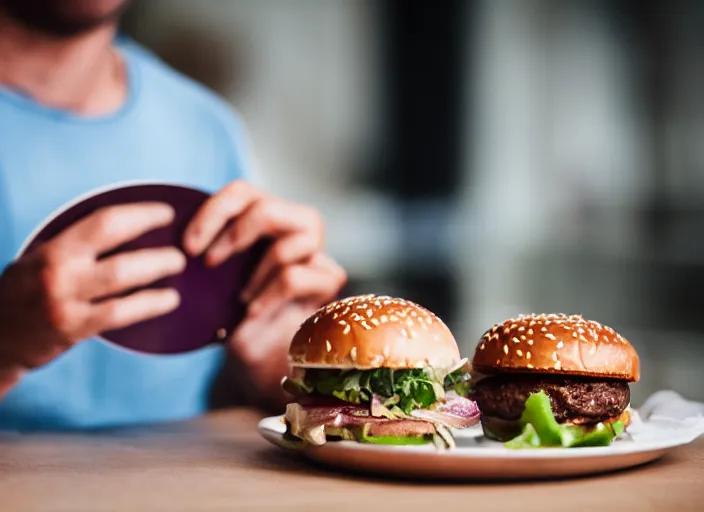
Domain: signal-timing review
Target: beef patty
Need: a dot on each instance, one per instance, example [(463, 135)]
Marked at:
[(581, 400)]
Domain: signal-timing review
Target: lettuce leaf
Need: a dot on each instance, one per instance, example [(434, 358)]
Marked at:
[(397, 440), (459, 382), (405, 389), (541, 429)]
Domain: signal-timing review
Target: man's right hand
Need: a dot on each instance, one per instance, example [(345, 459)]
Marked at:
[(64, 292)]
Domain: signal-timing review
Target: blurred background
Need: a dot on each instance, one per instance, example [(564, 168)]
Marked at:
[(484, 158)]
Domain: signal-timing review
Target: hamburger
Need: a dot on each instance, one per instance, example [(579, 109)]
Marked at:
[(553, 380), (376, 369)]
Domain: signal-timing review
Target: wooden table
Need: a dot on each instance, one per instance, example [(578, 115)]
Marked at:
[(220, 463)]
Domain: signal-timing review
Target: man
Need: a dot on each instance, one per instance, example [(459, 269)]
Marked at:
[(79, 111)]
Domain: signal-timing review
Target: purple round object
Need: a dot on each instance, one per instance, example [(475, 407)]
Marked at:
[(210, 306)]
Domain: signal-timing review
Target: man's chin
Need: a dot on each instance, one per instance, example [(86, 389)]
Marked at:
[(64, 18)]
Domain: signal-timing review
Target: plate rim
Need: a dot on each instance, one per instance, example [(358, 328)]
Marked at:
[(274, 435)]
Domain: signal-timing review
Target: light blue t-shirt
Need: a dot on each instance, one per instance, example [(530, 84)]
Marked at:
[(170, 129)]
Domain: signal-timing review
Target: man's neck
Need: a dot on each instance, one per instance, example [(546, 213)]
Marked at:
[(83, 74)]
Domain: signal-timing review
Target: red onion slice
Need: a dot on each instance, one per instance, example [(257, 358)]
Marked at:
[(456, 412)]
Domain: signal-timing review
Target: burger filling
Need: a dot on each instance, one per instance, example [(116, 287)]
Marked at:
[(548, 410), (383, 406)]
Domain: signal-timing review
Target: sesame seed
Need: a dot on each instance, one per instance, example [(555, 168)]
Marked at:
[(558, 364), (527, 366), (328, 345), (574, 334), (532, 323), (315, 320), (530, 332), (374, 321), (482, 346), (334, 316), (528, 355), (554, 356), (513, 326), (523, 338), (394, 318), (551, 337), (353, 353), (521, 329), (347, 310), (384, 319), (582, 338), (519, 352), (404, 333), (347, 329), (370, 313), (498, 361), (507, 330), (515, 340), (530, 342), (506, 349), (560, 344), (543, 329)]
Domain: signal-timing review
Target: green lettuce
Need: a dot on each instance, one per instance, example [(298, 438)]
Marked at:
[(458, 381), (409, 389), (397, 440), (402, 391), (541, 429)]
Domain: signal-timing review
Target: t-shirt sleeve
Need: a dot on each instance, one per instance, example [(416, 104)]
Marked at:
[(243, 163)]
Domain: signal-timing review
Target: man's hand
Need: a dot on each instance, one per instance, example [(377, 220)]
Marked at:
[(63, 292), (294, 278)]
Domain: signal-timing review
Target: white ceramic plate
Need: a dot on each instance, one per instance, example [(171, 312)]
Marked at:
[(479, 458)]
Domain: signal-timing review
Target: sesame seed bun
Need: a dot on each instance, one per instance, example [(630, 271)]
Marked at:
[(556, 343), (370, 331)]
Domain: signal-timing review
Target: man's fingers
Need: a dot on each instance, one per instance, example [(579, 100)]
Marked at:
[(140, 306), (285, 251), (319, 280), (215, 213), (266, 217), (112, 226), (130, 270)]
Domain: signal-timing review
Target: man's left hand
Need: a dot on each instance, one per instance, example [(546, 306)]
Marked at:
[(294, 278)]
